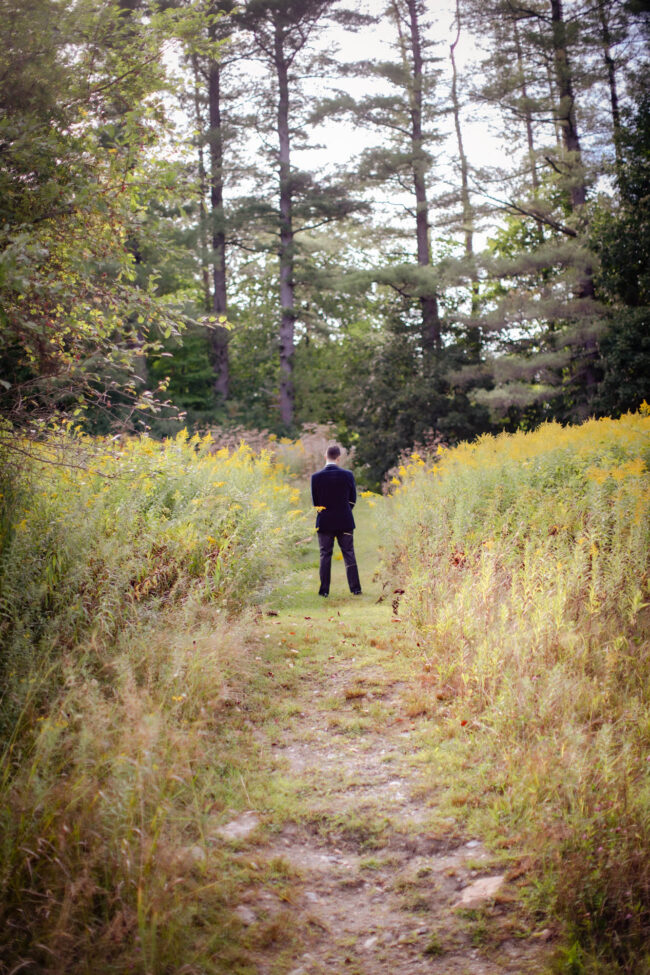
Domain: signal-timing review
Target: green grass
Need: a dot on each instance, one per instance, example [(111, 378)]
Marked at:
[(149, 721), (525, 565), (126, 736)]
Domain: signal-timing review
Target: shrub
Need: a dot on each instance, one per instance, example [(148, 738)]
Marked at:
[(122, 581), (525, 564), (301, 456), (128, 532)]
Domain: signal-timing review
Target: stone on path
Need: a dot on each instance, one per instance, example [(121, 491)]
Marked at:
[(245, 914), (481, 890), (239, 828), (190, 856)]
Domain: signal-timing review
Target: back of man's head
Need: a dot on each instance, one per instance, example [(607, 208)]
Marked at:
[(333, 452)]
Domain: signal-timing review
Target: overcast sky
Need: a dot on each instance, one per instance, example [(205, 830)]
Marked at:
[(342, 141)]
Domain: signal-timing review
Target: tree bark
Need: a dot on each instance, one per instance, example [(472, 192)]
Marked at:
[(474, 337), (218, 335), (577, 188), (566, 108), (468, 223), (203, 189), (530, 139), (286, 243), (557, 128), (611, 76), (431, 336)]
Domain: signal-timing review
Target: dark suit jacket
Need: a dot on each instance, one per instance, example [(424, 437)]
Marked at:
[(334, 489)]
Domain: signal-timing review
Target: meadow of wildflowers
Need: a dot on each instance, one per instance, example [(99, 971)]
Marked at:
[(524, 559), (300, 456), (136, 528), (127, 670), (124, 571)]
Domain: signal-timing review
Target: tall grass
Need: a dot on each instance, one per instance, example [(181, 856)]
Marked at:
[(122, 663), (525, 564), (300, 456), (137, 529)]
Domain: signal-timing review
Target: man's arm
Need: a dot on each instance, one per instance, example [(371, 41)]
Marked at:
[(314, 491), (353, 491)]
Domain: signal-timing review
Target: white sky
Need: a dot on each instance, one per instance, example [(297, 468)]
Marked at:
[(375, 44), (341, 141)]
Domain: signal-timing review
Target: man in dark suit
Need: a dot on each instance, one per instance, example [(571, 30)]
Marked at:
[(334, 493)]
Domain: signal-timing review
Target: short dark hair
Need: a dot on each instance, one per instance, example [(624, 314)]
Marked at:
[(333, 451)]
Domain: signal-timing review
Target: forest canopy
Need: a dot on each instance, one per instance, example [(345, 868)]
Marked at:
[(415, 223)]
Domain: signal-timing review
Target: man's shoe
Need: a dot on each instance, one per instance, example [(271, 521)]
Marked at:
[(323, 594), (357, 592)]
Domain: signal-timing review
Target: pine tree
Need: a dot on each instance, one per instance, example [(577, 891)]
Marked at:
[(552, 359), (620, 235), (467, 210), (213, 59), (402, 113), (284, 34)]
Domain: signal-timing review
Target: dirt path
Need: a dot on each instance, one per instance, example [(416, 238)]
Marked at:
[(380, 881)]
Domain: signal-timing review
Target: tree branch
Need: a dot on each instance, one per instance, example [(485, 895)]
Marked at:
[(541, 218)]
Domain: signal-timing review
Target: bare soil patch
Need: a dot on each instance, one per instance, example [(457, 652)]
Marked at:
[(375, 889)]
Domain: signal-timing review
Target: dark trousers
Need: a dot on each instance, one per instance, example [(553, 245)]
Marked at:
[(346, 544)]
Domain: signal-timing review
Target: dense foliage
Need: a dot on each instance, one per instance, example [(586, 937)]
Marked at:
[(125, 533), (119, 579), (152, 176), (79, 107), (524, 559)]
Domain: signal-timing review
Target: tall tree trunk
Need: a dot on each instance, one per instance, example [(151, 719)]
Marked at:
[(286, 251), (577, 188), (474, 337), (557, 128), (203, 189), (468, 221), (566, 107), (219, 335), (611, 76), (431, 339), (528, 117)]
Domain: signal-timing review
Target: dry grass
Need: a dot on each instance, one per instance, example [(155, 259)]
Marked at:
[(125, 738), (110, 802), (525, 565), (301, 455)]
